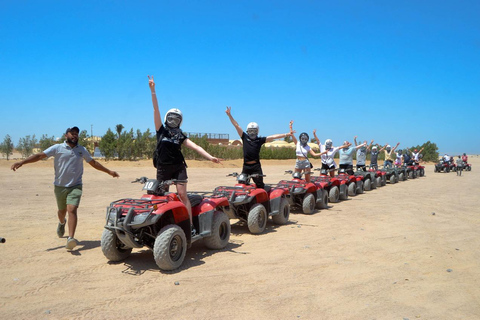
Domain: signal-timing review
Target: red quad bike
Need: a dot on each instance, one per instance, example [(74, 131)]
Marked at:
[(442, 166), (254, 205), (159, 221), (303, 194), (354, 183), (380, 176), (331, 185), (467, 166)]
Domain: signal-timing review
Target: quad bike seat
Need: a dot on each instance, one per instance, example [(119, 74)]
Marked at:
[(195, 199)]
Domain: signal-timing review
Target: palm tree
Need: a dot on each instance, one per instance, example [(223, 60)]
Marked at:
[(119, 129)]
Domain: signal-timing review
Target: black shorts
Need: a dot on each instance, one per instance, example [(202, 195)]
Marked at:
[(327, 167), (361, 166), (254, 168), (348, 168), (172, 171)]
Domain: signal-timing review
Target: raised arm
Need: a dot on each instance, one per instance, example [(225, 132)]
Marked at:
[(398, 143), (233, 121), (33, 158), (156, 112), (370, 145), (382, 148), (278, 136), (292, 132), (360, 145), (97, 165), (314, 154), (316, 138), (355, 140), (192, 145)]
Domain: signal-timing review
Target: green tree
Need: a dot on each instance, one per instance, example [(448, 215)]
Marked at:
[(46, 141), (108, 145), (6, 147), (119, 128), (83, 140), (26, 145), (125, 144)]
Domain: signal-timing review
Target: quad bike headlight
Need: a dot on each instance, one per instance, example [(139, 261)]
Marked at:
[(140, 218)]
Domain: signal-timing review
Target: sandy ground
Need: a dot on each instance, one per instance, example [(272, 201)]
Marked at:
[(404, 251)]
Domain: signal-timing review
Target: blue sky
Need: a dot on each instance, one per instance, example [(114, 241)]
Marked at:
[(392, 71)]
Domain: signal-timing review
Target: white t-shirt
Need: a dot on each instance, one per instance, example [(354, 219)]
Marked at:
[(302, 151), (328, 157)]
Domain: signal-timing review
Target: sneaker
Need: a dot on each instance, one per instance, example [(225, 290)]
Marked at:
[(61, 229), (71, 243)]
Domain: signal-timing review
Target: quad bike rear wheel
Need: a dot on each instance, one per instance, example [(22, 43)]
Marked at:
[(170, 247), (283, 213), (367, 185), (393, 179), (323, 202), (344, 195), (308, 203), (401, 176), (112, 248), (360, 188), (220, 231), (384, 180), (410, 175), (379, 181), (257, 218), (352, 189), (333, 194)]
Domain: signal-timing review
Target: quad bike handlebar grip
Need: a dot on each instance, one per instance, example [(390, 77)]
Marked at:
[(2, 240)]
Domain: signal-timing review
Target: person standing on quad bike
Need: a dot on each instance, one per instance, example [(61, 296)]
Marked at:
[(346, 156), (252, 143), (168, 157), (465, 158), (407, 160), (328, 161), (362, 154), (374, 156), (415, 154), (68, 166), (301, 151), (398, 157), (390, 155)]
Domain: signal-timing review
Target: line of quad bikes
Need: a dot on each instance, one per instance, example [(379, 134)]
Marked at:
[(449, 165), (159, 220)]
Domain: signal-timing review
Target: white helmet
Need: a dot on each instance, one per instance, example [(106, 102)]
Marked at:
[(173, 118), (328, 143), (252, 130)]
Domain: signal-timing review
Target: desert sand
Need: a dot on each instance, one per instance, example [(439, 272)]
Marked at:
[(403, 251)]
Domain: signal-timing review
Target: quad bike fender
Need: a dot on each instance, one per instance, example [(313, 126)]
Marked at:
[(260, 195), (209, 204), (177, 208), (277, 193), (312, 188), (275, 205)]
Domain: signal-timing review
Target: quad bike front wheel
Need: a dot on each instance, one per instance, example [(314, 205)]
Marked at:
[(220, 231), (379, 181), (393, 179), (333, 194), (257, 218), (112, 248), (401, 176), (170, 247), (308, 203), (283, 213)]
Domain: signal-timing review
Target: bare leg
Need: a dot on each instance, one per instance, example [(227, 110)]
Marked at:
[(72, 219), (182, 194), (61, 215)]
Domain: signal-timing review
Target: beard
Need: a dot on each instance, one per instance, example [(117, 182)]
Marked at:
[(73, 142)]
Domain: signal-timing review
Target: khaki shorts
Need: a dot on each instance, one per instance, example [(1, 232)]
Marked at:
[(68, 195)]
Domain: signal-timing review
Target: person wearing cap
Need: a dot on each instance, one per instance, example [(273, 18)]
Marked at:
[(252, 143), (68, 164), (374, 156), (346, 156), (390, 155), (168, 157), (362, 154), (302, 150), (328, 161)]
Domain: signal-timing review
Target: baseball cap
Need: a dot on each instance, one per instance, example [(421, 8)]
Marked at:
[(72, 129)]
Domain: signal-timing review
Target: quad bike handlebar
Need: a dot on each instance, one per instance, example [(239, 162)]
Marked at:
[(253, 175), (2, 240)]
